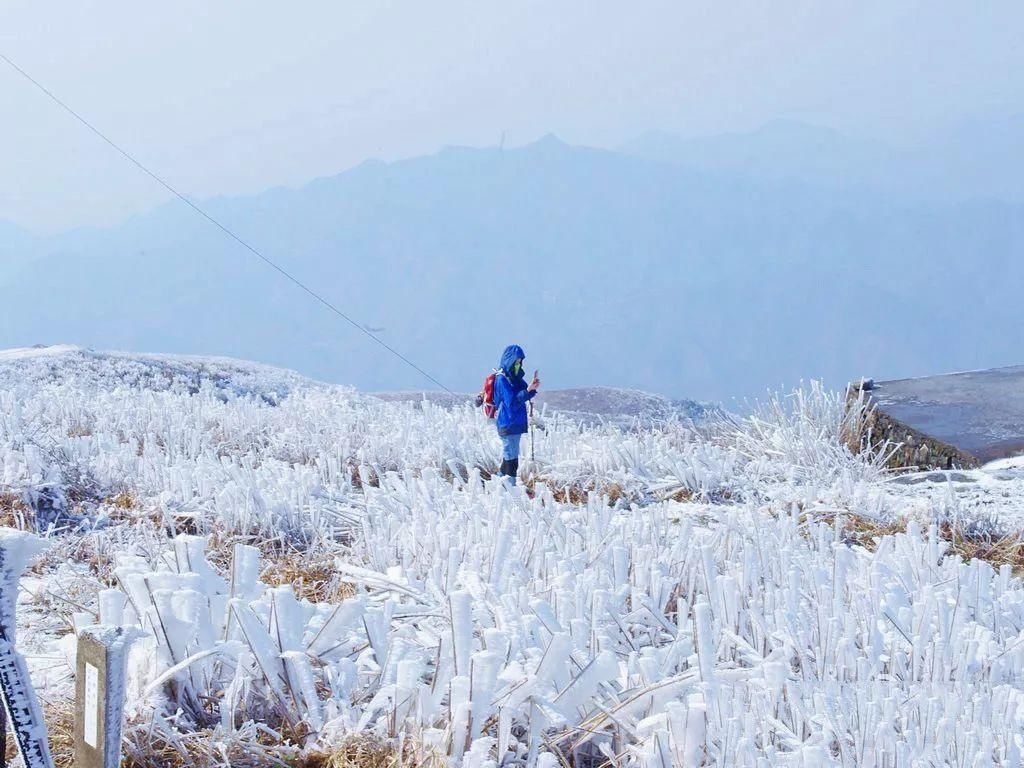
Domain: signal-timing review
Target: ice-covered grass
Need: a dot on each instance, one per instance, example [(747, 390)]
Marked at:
[(656, 597)]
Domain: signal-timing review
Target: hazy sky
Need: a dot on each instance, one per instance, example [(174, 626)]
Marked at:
[(233, 97)]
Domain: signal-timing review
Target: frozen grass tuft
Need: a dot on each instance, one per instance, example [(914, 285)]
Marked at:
[(806, 434)]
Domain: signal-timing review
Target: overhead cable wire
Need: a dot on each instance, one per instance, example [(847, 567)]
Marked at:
[(252, 249)]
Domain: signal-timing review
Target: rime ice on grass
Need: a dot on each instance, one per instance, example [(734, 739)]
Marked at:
[(659, 598)]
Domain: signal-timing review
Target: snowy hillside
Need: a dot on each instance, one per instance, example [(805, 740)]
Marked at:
[(38, 366), (322, 575)]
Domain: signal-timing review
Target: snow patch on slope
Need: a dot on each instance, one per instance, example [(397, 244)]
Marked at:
[(33, 367)]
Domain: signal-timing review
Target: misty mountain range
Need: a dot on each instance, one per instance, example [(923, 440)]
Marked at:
[(708, 269), (979, 159)]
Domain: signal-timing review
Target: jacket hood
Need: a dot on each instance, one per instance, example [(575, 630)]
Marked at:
[(512, 353)]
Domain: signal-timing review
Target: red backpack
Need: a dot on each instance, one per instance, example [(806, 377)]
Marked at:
[(486, 397)]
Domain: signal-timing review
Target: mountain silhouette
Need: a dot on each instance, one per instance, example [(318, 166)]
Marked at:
[(608, 267)]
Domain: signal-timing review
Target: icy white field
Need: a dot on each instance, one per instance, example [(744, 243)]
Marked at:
[(316, 572)]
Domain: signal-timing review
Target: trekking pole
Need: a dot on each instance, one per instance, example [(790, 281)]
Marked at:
[(533, 430), (533, 454)]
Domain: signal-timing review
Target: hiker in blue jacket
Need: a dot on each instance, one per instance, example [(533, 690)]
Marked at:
[(511, 394)]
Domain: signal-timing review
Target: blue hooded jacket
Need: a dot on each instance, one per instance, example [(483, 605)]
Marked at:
[(511, 394)]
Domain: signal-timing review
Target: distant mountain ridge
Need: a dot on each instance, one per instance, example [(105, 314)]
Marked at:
[(607, 267)]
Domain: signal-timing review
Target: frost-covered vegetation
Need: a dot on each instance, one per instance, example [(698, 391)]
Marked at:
[(320, 575)]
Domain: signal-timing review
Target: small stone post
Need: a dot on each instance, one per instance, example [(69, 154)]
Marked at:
[(99, 696)]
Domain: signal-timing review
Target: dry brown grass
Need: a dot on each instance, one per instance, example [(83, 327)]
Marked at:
[(146, 748), (969, 545), (312, 576), (60, 723), (684, 495), (10, 749), (864, 531), (204, 749), (126, 506), (575, 493), (356, 752), (125, 500), (220, 550), (372, 478), (310, 573), (1003, 550), (14, 513)]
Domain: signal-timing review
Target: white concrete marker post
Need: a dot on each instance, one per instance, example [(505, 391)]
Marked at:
[(17, 548), (99, 699)]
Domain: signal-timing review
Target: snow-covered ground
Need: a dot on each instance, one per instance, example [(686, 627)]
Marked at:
[(310, 565)]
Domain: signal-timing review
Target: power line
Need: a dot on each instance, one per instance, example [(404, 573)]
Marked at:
[(269, 262)]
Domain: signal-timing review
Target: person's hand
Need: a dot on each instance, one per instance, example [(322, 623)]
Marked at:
[(535, 384)]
